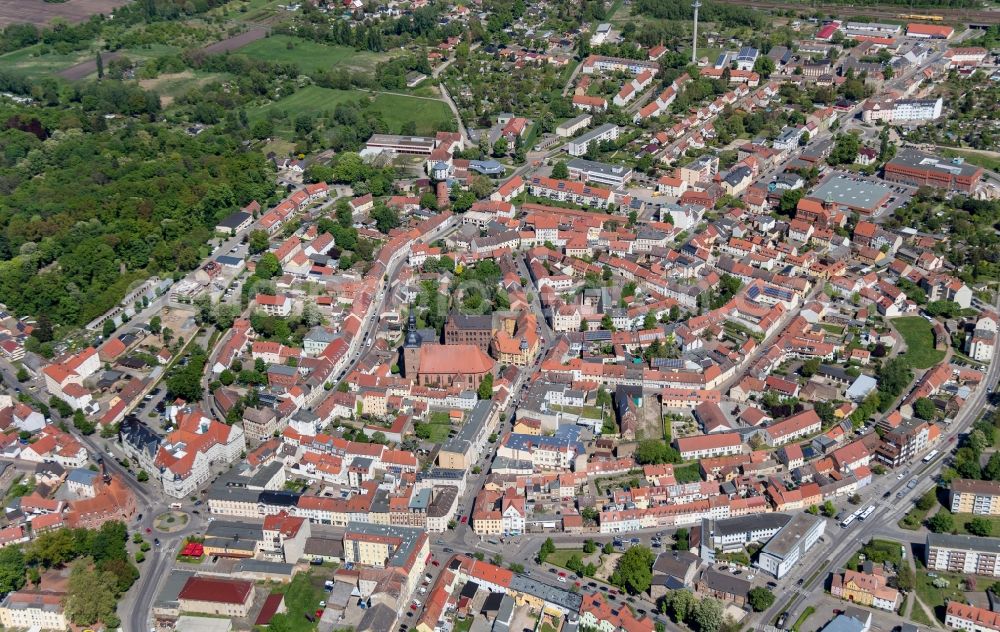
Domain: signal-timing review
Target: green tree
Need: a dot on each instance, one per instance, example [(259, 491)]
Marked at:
[(485, 390), (142, 476), (810, 367), (501, 147), (22, 374), (764, 66), (924, 408), (634, 571), (991, 472), (708, 615), (904, 578), (941, 522), (655, 451), (268, 267), (108, 327), (679, 605), (760, 598), (979, 526), (12, 569), (608, 548), (385, 218), (258, 242), (845, 150), (155, 325), (548, 548), (560, 170), (81, 423), (589, 546)]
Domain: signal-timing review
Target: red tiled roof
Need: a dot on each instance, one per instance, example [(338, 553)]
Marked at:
[(216, 590)]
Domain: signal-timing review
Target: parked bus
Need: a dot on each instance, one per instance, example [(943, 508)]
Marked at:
[(930, 456), (867, 512), (849, 519)]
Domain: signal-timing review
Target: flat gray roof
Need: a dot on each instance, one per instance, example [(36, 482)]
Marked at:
[(593, 166), (788, 538), (963, 542), (743, 524), (586, 137), (844, 191)]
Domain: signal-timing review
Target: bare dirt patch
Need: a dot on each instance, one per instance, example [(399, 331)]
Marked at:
[(41, 13), (235, 42), (86, 68)]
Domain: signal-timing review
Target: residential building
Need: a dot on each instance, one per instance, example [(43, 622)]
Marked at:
[(703, 446), (964, 554), (31, 610), (571, 191), (975, 497), (866, 589), (960, 616), (574, 125), (578, 146)]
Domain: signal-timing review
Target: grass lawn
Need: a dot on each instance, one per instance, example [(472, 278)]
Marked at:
[(917, 616), (916, 332), (975, 158), (302, 597), (437, 433), (26, 61), (310, 56), (547, 627), (802, 618), (878, 551), (463, 625), (687, 473), (961, 519), (935, 597), (833, 329), (559, 557), (440, 417), (429, 115)]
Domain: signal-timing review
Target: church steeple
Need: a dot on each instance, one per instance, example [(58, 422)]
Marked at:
[(413, 338)]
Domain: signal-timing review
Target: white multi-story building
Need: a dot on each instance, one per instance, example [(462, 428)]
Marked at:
[(183, 458), (578, 146), (901, 110), (963, 554), (599, 172), (790, 544), (981, 344), (33, 611)]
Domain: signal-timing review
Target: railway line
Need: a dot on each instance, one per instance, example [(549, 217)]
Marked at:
[(901, 12)]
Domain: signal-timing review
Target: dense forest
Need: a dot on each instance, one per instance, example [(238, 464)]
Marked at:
[(113, 206)]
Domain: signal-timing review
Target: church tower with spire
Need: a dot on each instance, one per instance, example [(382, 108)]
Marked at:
[(411, 347)]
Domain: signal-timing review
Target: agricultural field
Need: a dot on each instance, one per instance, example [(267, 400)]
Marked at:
[(172, 86), (429, 115), (916, 332), (73, 66), (310, 56), (27, 61), (41, 12)]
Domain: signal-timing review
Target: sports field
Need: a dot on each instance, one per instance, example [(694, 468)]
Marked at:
[(429, 115), (310, 56)]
